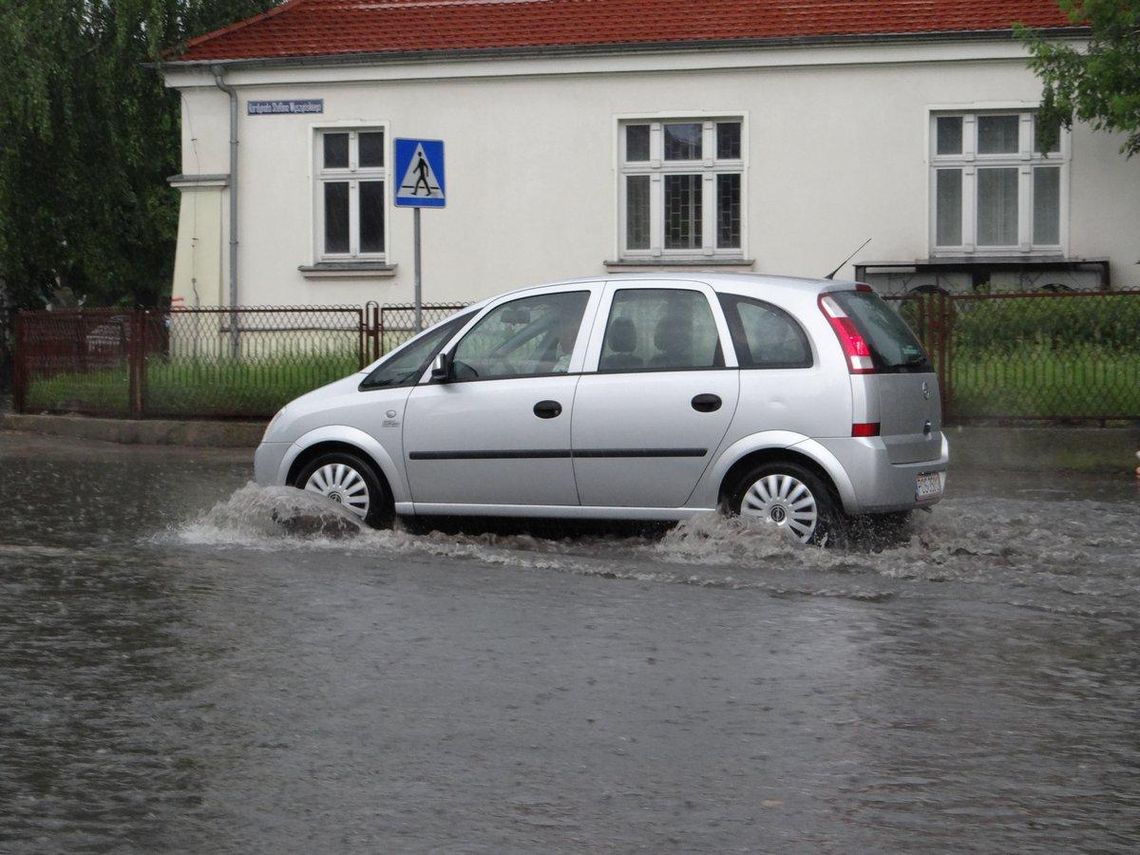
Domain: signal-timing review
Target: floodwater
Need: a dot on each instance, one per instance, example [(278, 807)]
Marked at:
[(179, 674)]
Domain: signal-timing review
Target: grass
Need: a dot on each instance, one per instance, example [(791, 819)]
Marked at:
[(1041, 382), (192, 389)]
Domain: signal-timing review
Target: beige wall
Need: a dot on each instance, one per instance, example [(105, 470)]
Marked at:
[(836, 153)]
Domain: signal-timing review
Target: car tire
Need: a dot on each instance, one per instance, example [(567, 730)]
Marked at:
[(791, 497), (352, 481)]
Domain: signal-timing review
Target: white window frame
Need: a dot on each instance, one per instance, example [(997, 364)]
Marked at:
[(1025, 159), (709, 167), (353, 174)]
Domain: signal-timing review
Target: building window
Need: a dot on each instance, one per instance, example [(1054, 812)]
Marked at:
[(993, 191), (681, 190), (350, 194)]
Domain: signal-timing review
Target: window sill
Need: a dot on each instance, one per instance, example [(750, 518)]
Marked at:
[(348, 270), (660, 263)]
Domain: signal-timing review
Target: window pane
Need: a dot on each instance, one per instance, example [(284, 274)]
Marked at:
[(683, 211), (728, 211), (683, 141), (637, 142), (1039, 129), (764, 336), (997, 207), (336, 216), (405, 366), (728, 140), (1047, 205), (534, 335), (949, 131), (371, 216), (637, 212), (948, 208), (998, 134), (336, 151), (660, 328), (371, 149)]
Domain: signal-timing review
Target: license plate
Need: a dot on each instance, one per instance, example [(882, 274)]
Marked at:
[(928, 486)]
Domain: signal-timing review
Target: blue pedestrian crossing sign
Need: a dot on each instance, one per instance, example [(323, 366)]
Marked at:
[(419, 174)]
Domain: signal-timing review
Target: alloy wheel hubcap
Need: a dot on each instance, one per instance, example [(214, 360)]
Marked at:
[(783, 501), (343, 484)]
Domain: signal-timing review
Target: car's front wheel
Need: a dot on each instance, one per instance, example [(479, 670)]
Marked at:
[(790, 497), (351, 481)]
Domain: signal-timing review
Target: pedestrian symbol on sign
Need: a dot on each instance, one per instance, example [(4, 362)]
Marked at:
[(421, 178)]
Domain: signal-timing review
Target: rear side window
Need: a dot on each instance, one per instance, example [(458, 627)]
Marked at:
[(763, 335), (405, 367), (894, 348), (660, 329)]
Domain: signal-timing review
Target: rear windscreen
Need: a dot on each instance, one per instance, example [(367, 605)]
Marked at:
[(893, 346)]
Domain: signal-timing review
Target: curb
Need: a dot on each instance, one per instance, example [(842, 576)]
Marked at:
[(211, 434)]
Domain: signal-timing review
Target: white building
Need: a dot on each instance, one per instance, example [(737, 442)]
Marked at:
[(582, 138)]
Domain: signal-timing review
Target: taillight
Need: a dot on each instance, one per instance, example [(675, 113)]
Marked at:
[(854, 346), (865, 429)]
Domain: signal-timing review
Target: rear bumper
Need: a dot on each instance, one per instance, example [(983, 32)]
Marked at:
[(881, 486)]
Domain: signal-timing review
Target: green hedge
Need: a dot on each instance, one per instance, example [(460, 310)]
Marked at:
[(1058, 321)]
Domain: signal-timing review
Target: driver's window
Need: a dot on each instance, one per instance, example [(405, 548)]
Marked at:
[(532, 335)]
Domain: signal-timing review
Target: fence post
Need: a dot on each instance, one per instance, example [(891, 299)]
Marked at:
[(134, 369), (19, 366), (939, 320), (374, 328), (361, 337)]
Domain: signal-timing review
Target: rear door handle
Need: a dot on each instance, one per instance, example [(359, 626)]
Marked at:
[(706, 403), (548, 409)]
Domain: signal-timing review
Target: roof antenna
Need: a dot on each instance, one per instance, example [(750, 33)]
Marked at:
[(831, 275)]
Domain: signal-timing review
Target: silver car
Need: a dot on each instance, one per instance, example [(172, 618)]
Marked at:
[(797, 402)]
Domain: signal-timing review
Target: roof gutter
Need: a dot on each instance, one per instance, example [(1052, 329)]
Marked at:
[(218, 71), (617, 49)]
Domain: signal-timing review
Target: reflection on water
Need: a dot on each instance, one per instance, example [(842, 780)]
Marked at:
[(181, 673)]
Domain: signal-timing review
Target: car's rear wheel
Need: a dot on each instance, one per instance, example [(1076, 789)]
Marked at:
[(790, 497), (351, 481)]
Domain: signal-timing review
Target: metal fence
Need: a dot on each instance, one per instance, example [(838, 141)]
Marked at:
[(999, 356), (195, 363), (1072, 356)]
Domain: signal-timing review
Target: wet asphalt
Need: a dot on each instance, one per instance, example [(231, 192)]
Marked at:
[(179, 674)]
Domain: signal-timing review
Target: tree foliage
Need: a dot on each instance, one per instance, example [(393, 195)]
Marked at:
[(1100, 85), (88, 136)]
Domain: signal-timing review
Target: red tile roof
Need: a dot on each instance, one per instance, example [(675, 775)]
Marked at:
[(310, 28)]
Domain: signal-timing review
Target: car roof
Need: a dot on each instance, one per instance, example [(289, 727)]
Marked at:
[(737, 283)]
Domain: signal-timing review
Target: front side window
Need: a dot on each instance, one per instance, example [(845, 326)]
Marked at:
[(533, 335), (661, 329), (681, 188), (351, 179), (993, 190)]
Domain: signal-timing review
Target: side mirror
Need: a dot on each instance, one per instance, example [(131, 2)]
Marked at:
[(441, 367)]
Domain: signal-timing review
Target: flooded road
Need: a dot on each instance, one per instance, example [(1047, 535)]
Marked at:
[(178, 674)]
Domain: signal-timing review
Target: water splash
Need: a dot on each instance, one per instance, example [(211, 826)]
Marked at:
[(1072, 548)]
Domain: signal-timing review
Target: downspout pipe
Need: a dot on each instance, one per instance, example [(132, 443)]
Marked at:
[(233, 259)]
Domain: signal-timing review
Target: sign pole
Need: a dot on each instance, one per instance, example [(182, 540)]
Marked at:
[(419, 280)]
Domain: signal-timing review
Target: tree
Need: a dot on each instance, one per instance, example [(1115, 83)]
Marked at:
[(1101, 85), (88, 136)]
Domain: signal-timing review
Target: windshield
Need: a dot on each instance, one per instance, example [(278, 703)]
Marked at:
[(406, 366), (893, 346)]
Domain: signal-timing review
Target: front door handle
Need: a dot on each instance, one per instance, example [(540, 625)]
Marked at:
[(548, 409), (706, 403)]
